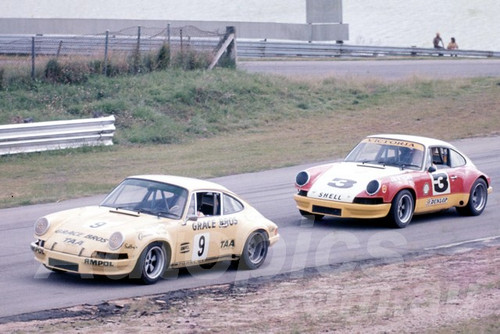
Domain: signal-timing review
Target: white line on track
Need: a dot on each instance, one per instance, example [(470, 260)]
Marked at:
[(464, 242)]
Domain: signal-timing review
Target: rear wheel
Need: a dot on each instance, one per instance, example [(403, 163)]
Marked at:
[(402, 209), (152, 263), (477, 199), (254, 251)]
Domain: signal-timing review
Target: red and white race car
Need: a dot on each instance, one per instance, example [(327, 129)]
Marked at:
[(393, 176)]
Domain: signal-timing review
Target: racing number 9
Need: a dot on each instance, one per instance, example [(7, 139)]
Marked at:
[(200, 249), (201, 245)]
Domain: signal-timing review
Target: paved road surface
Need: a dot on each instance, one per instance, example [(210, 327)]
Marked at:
[(27, 286), (379, 69)]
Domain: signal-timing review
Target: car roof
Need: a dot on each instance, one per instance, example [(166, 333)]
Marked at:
[(188, 183), (426, 141)]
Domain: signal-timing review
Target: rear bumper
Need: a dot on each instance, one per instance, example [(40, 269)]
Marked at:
[(341, 209), (274, 239)]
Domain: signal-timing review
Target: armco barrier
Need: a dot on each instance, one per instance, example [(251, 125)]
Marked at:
[(87, 45), (55, 135)]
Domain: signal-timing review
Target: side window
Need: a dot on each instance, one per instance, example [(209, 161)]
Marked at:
[(440, 157), (192, 206), (208, 204), (456, 159), (231, 205)]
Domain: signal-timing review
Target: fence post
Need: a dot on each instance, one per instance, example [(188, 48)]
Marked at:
[(33, 58), (138, 50), (168, 35), (231, 49), (180, 35), (105, 67), (226, 49), (59, 49)]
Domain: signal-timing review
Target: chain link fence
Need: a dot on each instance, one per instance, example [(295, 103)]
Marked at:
[(132, 49)]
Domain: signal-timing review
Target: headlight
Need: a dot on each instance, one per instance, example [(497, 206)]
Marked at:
[(302, 178), (116, 240), (41, 226), (372, 187)]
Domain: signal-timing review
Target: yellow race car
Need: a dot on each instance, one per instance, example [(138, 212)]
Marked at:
[(150, 223)]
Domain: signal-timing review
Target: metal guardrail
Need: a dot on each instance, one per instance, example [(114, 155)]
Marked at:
[(54, 135), (266, 49), (86, 45)]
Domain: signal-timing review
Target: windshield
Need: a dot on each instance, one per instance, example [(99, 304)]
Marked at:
[(388, 152), (144, 196)]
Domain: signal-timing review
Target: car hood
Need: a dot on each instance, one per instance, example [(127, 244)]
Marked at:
[(91, 227), (343, 181)]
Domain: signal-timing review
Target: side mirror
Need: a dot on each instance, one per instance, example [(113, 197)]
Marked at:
[(191, 218), (432, 169)]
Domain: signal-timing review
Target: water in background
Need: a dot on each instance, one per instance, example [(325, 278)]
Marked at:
[(474, 23)]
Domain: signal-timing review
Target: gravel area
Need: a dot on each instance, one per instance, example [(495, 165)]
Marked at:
[(446, 292)]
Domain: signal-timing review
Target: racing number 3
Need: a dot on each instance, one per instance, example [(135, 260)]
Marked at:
[(341, 183), (441, 184), (200, 249)]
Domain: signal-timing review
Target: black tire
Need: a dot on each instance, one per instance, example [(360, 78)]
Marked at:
[(477, 199), (311, 216), (254, 251), (152, 263), (402, 208), (208, 265)]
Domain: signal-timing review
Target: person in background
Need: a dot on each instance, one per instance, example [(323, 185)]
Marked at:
[(437, 40), (453, 44)]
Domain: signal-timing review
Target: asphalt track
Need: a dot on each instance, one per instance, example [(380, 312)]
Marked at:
[(28, 287), (380, 69), (342, 244)]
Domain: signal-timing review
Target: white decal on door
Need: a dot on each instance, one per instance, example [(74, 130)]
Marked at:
[(441, 184), (200, 246)]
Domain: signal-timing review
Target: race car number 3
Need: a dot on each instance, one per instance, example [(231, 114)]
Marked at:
[(440, 182), (200, 246)]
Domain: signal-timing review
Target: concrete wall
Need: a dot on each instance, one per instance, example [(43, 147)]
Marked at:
[(324, 11), (324, 19)]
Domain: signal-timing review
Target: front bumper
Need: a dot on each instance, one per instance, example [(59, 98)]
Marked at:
[(81, 264), (341, 209)]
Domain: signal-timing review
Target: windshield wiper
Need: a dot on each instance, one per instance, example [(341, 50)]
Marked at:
[(165, 214), (403, 166), (147, 211), (168, 214), (124, 211), (371, 163)]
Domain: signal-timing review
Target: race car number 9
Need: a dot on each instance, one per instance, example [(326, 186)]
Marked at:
[(200, 246), (441, 184)]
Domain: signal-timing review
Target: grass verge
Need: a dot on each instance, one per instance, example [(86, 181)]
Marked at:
[(207, 124)]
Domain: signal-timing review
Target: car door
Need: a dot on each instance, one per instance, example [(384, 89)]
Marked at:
[(198, 240), (447, 178), (230, 222)]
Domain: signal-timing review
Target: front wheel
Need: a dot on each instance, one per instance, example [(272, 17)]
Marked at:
[(151, 264), (402, 208), (254, 251), (477, 199)]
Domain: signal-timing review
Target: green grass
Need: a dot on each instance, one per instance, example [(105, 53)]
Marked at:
[(214, 123)]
